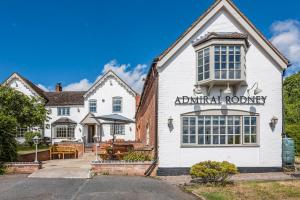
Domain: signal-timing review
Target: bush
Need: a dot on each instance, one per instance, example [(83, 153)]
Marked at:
[(29, 136), (293, 131), (213, 172), (2, 168), (136, 156)]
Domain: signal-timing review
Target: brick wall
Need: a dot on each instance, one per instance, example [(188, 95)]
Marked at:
[(121, 168), (146, 113), (30, 157), (22, 167)]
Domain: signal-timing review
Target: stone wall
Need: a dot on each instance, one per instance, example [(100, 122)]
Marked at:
[(22, 167), (121, 168), (30, 157)]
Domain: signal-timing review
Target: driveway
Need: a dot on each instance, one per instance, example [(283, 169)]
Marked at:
[(99, 187)]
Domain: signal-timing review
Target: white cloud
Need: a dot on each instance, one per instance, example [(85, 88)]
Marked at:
[(286, 37), (82, 85), (43, 87), (132, 76)]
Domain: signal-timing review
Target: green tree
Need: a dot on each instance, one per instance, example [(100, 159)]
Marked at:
[(17, 110), (291, 93)]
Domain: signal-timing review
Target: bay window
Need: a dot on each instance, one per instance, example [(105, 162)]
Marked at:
[(64, 131), (214, 130)]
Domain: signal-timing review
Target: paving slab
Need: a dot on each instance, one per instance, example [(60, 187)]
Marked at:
[(68, 168)]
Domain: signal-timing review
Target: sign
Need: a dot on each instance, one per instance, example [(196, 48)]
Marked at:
[(243, 100)]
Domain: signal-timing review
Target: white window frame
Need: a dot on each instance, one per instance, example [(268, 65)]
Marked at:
[(20, 132), (120, 129), (211, 134), (119, 104), (63, 111), (93, 105), (68, 129)]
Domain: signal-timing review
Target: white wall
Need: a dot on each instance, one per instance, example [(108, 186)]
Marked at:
[(103, 94), (77, 113), (178, 77), (18, 85)]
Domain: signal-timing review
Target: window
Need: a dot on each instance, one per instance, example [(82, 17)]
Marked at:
[(117, 104), (63, 111), (120, 129), (93, 105), (64, 131), (219, 130), (203, 64), (21, 132), (227, 62), (250, 130)]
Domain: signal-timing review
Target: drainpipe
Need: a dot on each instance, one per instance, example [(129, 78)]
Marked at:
[(283, 108)]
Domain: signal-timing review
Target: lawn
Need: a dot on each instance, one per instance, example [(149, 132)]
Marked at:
[(24, 149), (250, 190)]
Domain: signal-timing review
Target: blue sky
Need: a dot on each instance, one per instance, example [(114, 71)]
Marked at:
[(71, 41)]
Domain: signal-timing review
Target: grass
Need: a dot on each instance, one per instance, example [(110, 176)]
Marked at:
[(250, 190), (24, 149)]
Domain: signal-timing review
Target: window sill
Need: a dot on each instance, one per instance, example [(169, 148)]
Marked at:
[(219, 146)]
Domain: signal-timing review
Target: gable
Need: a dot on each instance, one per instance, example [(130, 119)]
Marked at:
[(204, 21), (23, 85), (105, 79)]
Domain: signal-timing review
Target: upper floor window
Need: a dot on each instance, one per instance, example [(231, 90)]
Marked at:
[(203, 64), (227, 62), (63, 111), (117, 104), (93, 105)]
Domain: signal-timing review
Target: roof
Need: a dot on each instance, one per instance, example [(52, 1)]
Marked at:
[(64, 120), (221, 35), (208, 14), (116, 118), (65, 98), (89, 119), (107, 75), (31, 85)]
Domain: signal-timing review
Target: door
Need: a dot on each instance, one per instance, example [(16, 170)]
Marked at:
[(91, 133)]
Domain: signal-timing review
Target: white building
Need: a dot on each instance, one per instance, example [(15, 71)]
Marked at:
[(218, 96), (71, 113)]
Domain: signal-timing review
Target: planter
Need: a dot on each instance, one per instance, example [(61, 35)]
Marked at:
[(22, 167)]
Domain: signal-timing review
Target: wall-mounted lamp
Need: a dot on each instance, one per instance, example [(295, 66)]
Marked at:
[(273, 122), (170, 123), (110, 82), (78, 109), (47, 126), (227, 91), (79, 129), (197, 89), (130, 129), (103, 100), (256, 90)]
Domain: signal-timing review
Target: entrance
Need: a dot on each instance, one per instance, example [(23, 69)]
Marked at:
[(91, 133)]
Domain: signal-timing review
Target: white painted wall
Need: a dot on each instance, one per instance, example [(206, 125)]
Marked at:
[(103, 94), (18, 85), (177, 78)]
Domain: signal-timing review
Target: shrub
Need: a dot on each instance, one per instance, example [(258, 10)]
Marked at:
[(2, 168), (136, 156), (29, 136), (293, 131), (213, 172)]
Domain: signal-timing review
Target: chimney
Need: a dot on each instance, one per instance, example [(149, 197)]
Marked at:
[(58, 87)]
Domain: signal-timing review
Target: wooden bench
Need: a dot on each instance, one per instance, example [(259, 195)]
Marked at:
[(62, 150)]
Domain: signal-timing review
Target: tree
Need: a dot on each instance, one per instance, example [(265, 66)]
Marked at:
[(291, 93), (17, 110)]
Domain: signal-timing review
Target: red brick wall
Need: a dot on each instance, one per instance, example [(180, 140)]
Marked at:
[(146, 113), (30, 157), (22, 168), (131, 169)]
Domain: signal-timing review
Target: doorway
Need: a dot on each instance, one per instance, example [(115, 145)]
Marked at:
[(91, 133)]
